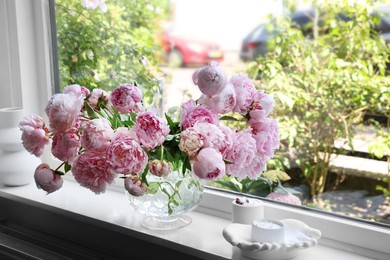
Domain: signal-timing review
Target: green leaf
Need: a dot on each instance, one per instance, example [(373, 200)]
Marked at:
[(228, 118), (67, 167), (91, 113), (143, 176), (229, 185), (174, 126)]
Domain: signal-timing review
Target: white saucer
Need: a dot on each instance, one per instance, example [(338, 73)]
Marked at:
[(298, 236)]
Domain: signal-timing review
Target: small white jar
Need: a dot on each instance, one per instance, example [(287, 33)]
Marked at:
[(245, 210)]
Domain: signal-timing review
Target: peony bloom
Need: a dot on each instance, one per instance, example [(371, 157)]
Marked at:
[(160, 168), (134, 186), (97, 135), (211, 79), (213, 136), (262, 106), (221, 103), (63, 111), (65, 146), (245, 91), (127, 99), (151, 130), (190, 141), (46, 179), (93, 4), (209, 164), (266, 134), (228, 136), (77, 90), (284, 197), (91, 170), (126, 156), (191, 113), (246, 162), (124, 131), (35, 136), (98, 95)]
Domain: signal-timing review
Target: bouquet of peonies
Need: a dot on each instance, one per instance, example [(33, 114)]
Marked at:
[(99, 136)]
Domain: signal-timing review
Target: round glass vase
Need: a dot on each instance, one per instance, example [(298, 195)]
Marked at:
[(167, 200)]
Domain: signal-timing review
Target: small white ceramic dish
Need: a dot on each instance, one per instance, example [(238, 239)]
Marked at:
[(298, 236)]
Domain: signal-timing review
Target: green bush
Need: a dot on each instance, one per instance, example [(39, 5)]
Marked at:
[(324, 83), (102, 50)]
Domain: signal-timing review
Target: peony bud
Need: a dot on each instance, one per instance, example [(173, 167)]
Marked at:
[(190, 141), (134, 186), (46, 179), (160, 168), (209, 164)]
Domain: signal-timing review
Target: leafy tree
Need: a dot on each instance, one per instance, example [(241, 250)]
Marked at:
[(104, 50)]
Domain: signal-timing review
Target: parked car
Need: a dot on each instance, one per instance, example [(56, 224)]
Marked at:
[(255, 44), (184, 51)]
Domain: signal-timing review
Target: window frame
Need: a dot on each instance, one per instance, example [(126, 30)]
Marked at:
[(29, 43)]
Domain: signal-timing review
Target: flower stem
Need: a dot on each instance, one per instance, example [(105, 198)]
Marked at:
[(62, 164), (161, 152)]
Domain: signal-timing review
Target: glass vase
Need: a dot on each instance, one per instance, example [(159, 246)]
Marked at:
[(167, 201)]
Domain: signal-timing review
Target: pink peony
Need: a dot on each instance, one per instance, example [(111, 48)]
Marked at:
[(160, 168), (63, 110), (284, 197), (97, 95), (190, 141), (35, 136), (191, 113), (65, 146), (46, 179), (124, 131), (228, 139), (151, 130), (213, 136), (77, 90), (245, 91), (266, 134), (209, 164), (97, 135), (221, 103), (91, 170), (126, 156), (262, 106), (246, 162), (127, 99), (211, 79), (134, 186)]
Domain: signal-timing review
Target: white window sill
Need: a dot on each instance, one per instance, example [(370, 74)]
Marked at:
[(202, 238)]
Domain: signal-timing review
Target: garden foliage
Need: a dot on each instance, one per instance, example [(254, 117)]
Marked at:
[(324, 82)]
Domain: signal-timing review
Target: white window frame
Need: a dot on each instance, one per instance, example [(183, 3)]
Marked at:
[(27, 71)]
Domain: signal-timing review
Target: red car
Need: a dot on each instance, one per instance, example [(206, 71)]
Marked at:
[(182, 51)]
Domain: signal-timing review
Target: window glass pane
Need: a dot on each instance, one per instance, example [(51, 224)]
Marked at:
[(106, 44), (325, 67)]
